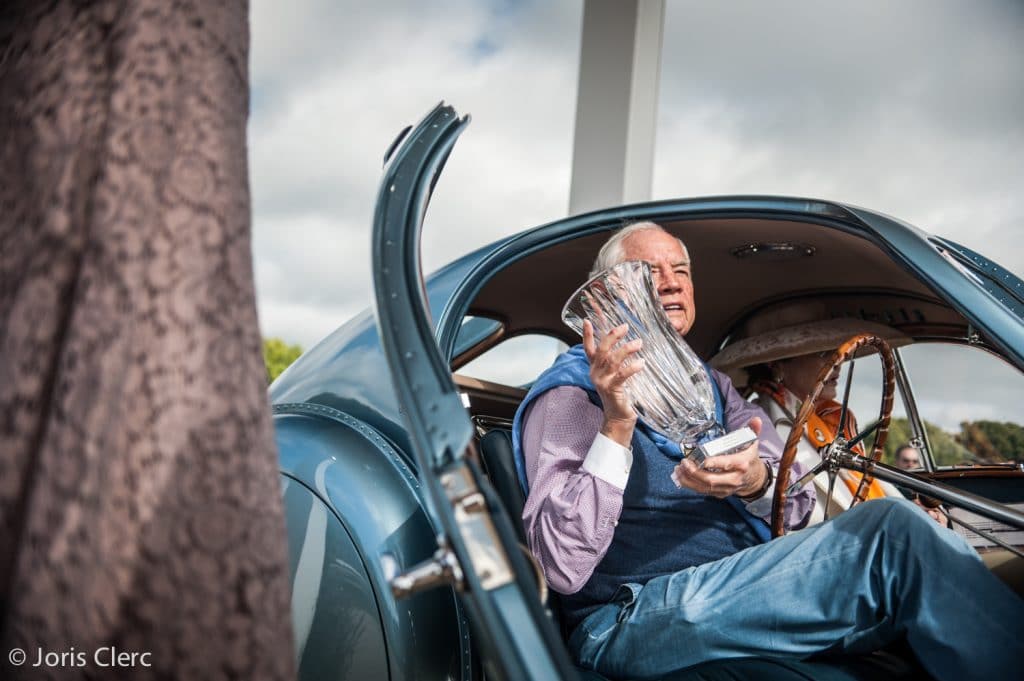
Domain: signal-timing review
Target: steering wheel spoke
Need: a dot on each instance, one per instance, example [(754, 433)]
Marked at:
[(832, 473), (855, 440), (807, 477)]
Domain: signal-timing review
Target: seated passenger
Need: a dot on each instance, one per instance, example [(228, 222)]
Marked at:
[(782, 359), (659, 578), (909, 459)]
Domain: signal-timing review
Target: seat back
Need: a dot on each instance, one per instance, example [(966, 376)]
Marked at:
[(498, 456), (496, 452)]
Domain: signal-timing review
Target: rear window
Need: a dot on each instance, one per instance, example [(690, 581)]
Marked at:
[(516, 361)]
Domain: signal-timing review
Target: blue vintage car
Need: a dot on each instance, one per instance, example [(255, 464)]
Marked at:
[(402, 506)]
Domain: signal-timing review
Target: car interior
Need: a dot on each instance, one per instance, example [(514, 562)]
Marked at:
[(742, 267)]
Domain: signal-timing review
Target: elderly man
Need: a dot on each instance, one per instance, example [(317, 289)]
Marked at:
[(664, 565)]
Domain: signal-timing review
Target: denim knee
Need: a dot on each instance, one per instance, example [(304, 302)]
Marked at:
[(901, 517), (897, 508), (892, 514), (897, 502), (889, 508)]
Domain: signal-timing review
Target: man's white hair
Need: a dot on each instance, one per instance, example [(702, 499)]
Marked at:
[(611, 254)]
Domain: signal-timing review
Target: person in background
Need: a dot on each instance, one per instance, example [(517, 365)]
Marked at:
[(908, 458), (783, 353)]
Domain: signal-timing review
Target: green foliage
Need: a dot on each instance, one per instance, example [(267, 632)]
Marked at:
[(977, 442), (945, 448), (992, 441), (277, 356)]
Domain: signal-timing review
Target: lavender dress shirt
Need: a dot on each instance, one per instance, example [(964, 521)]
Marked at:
[(577, 477)]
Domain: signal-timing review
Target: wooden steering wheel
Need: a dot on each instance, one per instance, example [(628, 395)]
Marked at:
[(842, 354)]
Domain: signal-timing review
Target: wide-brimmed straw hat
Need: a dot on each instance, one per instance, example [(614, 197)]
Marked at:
[(794, 330)]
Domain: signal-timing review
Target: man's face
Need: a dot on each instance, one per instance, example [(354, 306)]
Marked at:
[(670, 267), (908, 458), (800, 375)]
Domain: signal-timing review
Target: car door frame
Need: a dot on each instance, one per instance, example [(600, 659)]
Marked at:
[(478, 553)]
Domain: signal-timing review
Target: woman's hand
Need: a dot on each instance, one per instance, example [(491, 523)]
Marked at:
[(608, 372), (741, 473)]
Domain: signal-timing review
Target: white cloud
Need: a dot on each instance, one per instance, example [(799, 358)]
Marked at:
[(334, 82), (949, 414), (951, 384), (912, 109)]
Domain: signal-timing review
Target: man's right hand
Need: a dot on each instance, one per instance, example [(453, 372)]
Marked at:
[(608, 372)]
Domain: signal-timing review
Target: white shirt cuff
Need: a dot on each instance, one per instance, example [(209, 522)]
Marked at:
[(609, 461)]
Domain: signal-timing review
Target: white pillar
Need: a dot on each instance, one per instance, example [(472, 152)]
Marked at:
[(616, 103)]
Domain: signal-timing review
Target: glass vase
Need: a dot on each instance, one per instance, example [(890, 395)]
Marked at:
[(673, 393)]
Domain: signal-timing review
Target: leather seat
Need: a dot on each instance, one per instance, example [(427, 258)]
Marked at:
[(496, 451), (895, 664)]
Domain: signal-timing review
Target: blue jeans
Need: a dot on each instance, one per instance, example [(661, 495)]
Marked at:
[(873, 574)]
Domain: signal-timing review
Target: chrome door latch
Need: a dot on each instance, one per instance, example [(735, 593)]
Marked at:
[(488, 559), (442, 569)]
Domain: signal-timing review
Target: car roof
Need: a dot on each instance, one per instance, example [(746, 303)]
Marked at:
[(864, 265), (740, 266)]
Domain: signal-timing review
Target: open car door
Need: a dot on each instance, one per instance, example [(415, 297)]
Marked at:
[(478, 554)]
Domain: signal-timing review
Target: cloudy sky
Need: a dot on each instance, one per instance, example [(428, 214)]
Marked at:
[(915, 109)]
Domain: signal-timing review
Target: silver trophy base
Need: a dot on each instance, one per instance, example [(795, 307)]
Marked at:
[(730, 443)]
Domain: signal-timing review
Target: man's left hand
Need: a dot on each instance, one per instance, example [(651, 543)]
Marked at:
[(741, 473)]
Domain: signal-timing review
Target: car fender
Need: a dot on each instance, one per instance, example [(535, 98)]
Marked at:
[(351, 503)]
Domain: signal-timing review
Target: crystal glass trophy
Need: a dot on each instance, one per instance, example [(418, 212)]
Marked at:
[(673, 393)]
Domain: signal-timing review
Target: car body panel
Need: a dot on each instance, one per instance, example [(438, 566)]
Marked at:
[(340, 634), (347, 370), (332, 454), (984, 310), (1005, 286)]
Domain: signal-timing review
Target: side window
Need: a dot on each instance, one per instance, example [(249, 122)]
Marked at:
[(475, 330), (970, 400), (516, 361)]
